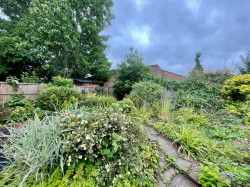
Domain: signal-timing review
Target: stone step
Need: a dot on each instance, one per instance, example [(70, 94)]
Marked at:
[(181, 181), (189, 168)]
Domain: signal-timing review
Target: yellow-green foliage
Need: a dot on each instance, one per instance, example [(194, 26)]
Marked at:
[(188, 116), (237, 88), (210, 176), (102, 101), (238, 108), (165, 110), (82, 173)]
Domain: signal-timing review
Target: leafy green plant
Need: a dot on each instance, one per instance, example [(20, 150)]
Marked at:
[(99, 91), (77, 174), (146, 93), (170, 85), (165, 110), (53, 98), (93, 100), (127, 105), (26, 78), (201, 91), (191, 142), (21, 114), (60, 81), (188, 116), (13, 81), (31, 150), (210, 176), (17, 100), (20, 109)]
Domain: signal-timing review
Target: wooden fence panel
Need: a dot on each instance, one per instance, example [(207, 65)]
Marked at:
[(28, 90), (32, 90)]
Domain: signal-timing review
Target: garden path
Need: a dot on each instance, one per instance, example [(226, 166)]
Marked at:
[(176, 170)]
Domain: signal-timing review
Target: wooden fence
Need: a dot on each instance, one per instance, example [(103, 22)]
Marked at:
[(28, 90), (32, 90)]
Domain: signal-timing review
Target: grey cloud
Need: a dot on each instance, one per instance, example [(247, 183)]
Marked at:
[(219, 29)]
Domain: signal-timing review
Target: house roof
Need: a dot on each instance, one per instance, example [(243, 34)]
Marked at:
[(88, 81)]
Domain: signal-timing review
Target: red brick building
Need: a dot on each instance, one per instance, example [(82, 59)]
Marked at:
[(156, 70)]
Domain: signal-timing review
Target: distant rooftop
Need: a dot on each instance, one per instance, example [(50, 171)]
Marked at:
[(156, 70)]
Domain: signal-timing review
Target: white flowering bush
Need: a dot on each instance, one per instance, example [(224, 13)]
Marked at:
[(111, 140), (100, 134)]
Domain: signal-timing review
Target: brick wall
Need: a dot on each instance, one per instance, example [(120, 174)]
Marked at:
[(156, 70)]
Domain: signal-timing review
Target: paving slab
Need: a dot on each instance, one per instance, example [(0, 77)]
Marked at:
[(169, 174), (162, 159), (167, 146), (195, 170), (181, 181), (160, 183), (149, 130), (183, 164)]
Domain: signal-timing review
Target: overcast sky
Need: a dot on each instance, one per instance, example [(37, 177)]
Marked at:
[(170, 32)]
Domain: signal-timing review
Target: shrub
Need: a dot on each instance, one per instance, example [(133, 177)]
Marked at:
[(19, 109), (26, 78), (103, 132), (127, 105), (102, 101), (188, 116), (59, 81), (31, 150), (166, 83), (129, 72), (146, 93), (237, 88), (197, 100), (110, 139), (13, 81), (99, 91), (17, 101), (52, 98), (201, 91), (21, 114)]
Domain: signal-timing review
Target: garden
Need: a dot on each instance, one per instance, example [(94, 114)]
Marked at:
[(68, 138), (150, 131)]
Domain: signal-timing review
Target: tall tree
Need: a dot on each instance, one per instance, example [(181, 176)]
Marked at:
[(62, 36), (198, 67), (129, 72), (245, 69)]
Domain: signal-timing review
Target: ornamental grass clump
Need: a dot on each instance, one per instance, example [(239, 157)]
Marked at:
[(31, 150)]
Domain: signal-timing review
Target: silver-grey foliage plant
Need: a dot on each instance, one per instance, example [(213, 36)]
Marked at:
[(33, 148)]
